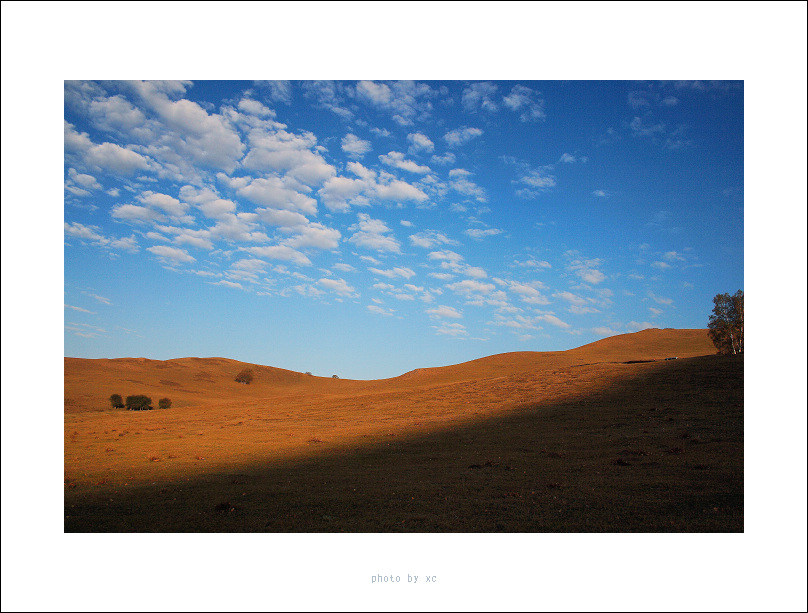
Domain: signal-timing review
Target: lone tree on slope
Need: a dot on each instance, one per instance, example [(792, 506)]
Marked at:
[(245, 376), (726, 323)]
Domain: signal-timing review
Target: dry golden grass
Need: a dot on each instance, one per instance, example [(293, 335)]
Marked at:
[(558, 441)]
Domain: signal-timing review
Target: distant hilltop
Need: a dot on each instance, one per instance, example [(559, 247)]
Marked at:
[(197, 381)]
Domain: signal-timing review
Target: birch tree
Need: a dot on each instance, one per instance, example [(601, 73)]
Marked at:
[(726, 323)]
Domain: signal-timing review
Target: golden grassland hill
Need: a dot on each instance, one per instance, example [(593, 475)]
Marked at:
[(610, 436), (88, 384)]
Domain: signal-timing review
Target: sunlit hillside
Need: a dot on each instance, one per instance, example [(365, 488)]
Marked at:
[(611, 436)]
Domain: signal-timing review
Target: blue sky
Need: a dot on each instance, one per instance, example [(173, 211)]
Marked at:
[(366, 228)]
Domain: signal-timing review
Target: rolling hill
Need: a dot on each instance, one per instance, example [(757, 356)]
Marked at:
[(88, 384), (611, 436)]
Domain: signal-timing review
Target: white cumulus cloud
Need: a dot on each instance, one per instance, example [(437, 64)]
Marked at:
[(400, 271), (588, 270), (458, 137), (171, 255), (430, 239), (396, 159), (168, 204), (338, 286), (479, 96), (374, 234), (355, 146), (460, 182), (274, 192), (420, 143), (470, 286), (480, 234), (116, 159), (453, 329), (280, 252), (444, 311), (527, 102)]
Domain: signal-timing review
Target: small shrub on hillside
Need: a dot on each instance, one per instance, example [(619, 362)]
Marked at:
[(164, 403), (116, 401), (245, 376), (138, 402)]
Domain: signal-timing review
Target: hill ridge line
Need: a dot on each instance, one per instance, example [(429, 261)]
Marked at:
[(427, 369)]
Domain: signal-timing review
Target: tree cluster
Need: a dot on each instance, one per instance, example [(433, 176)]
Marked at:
[(137, 402), (726, 323)]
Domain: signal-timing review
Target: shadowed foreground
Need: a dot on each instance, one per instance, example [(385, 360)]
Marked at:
[(650, 447)]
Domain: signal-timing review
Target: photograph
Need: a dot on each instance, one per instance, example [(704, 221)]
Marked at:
[(404, 306), (394, 306)]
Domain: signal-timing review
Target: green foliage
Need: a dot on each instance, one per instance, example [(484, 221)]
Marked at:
[(116, 401), (245, 376), (164, 403), (138, 402), (726, 323)]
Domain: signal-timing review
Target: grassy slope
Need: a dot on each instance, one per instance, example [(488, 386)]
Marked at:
[(204, 381), (563, 441)]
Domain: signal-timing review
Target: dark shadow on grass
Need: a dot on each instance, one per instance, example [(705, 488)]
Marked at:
[(662, 452)]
